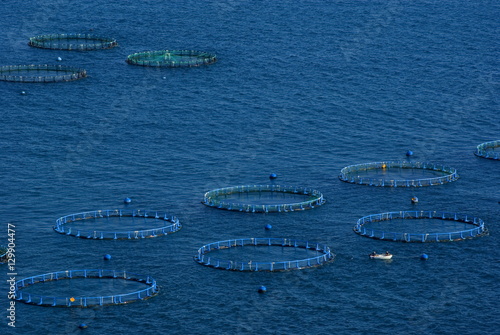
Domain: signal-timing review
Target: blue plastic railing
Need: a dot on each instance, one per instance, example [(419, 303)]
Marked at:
[(215, 198), (42, 73), (485, 150), (192, 58), (203, 258), (3, 254), (61, 42), (117, 235), (477, 230), (349, 174), (116, 299)]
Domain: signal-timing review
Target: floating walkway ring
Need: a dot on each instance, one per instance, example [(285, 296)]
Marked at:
[(324, 255), (219, 198), (477, 227), (80, 42), (171, 58), (76, 301), (61, 227), (360, 174), (486, 150), (40, 73)]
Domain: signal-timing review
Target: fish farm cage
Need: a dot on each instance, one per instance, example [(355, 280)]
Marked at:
[(85, 301), (369, 226), (62, 227), (487, 150), (323, 254), (264, 198), (4, 254), (79, 42), (40, 73), (398, 174), (171, 58)]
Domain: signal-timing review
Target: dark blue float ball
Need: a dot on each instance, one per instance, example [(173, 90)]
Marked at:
[(409, 153), (107, 257), (127, 200), (268, 227), (424, 257), (82, 326), (273, 176), (262, 289)]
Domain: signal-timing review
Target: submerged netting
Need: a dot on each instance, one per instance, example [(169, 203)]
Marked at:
[(76, 300), (318, 255), (488, 150), (120, 223), (434, 226), (263, 198), (40, 73), (80, 42), (171, 58), (398, 174)]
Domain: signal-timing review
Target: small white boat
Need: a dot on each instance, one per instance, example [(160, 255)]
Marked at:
[(383, 256)]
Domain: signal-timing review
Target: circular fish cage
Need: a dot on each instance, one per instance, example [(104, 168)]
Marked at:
[(40, 73), (488, 150), (4, 254), (79, 42), (140, 223), (171, 58), (434, 226), (398, 174), (316, 254), (92, 278), (263, 198)]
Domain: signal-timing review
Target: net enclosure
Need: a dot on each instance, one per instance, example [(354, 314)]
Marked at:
[(145, 287), (270, 249), (4, 254), (420, 226), (398, 174), (117, 224), (488, 150), (264, 198), (40, 73), (172, 58), (79, 42)]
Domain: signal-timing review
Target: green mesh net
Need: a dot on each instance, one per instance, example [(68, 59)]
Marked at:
[(171, 58)]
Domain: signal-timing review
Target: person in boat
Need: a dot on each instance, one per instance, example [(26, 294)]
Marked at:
[(387, 253), (373, 254)]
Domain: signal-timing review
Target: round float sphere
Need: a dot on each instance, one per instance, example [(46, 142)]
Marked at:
[(23, 92), (273, 176), (262, 289), (424, 257), (59, 59), (268, 227), (127, 200), (107, 257), (409, 153), (82, 326)]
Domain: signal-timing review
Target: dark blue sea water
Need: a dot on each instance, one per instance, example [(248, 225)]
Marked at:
[(301, 89)]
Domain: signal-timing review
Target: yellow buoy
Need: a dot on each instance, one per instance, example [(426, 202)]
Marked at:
[(72, 299)]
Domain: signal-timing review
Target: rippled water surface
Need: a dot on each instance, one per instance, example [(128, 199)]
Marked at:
[(300, 89)]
